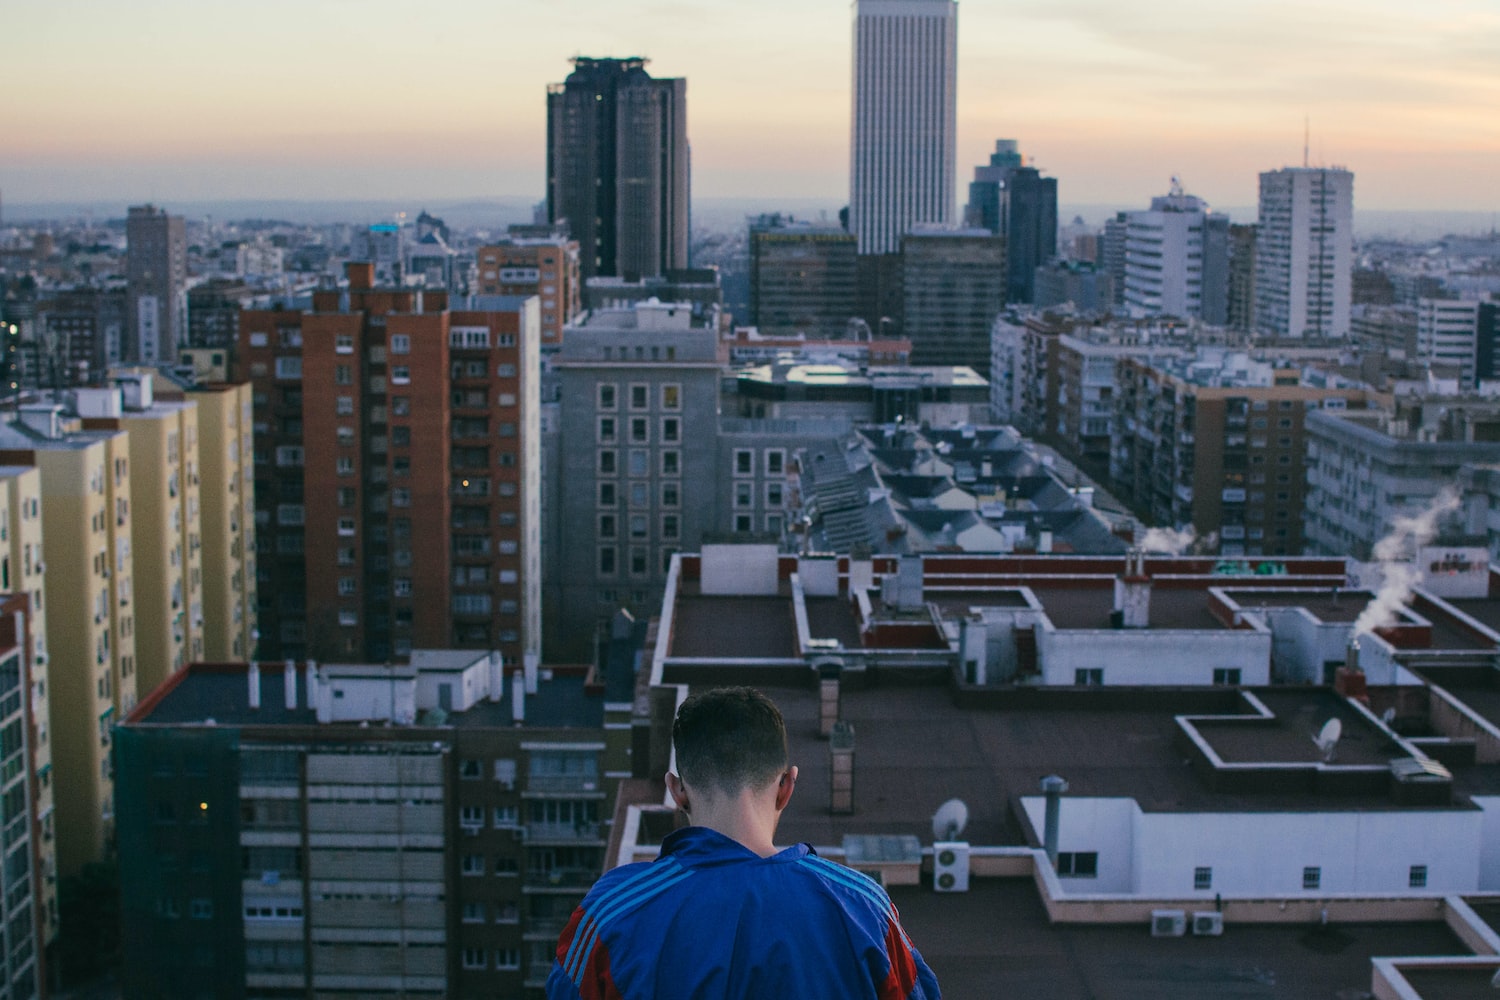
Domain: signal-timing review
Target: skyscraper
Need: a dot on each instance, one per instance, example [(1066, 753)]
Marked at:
[(802, 278), (902, 161), (617, 166), (1016, 201), (156, 267), (1304, 254)]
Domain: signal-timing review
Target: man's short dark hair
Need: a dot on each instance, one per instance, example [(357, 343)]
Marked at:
[(732, 738)]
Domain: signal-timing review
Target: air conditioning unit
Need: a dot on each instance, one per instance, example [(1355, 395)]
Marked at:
[(950, 866), (1208, 924), (1168, 923)]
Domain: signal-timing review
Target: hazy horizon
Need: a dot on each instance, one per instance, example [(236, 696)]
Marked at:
[(163, 100)]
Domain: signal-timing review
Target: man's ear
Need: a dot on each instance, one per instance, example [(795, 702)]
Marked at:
[(785, 787), (678, 791)]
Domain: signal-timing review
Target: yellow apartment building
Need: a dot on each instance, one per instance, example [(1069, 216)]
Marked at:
[(89, 612), (21, 565)]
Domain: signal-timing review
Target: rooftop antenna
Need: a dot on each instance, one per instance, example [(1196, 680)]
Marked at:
[(1328, 739), (950, 819), (1306, 141)]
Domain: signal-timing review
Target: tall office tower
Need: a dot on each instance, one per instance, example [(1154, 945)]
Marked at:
[(21, 514), (1239, 310), (1487, 342), (156, 268), (397, 482), (953, 284), (902, 160), (617, 166), (1304, 255), (544, 266), (87, 560), (1112, 254), (1016, 201), (1177, 259), (1447, 333), (421, 830), (802, 278)]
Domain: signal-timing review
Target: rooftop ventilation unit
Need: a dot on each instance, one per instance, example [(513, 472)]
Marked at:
[(950, 866), (1168, 923), (1208, 924)]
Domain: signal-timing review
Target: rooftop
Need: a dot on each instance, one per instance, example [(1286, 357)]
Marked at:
[(996, 941), (734, 627), (1090, 608)]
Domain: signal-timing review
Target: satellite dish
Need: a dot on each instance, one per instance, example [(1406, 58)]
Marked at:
[(950, 819), (1328, 738)]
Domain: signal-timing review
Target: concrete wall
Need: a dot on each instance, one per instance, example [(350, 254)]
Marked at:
[(1154, 855), (1154, 657)]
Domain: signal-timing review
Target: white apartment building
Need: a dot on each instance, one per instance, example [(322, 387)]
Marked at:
[(1177, 259), (1304, 253), (902, 159), (1447, 331)]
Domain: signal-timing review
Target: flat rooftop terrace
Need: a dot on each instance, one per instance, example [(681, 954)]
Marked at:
[(995, 941), (1326, 605), (1289, 739), (1090, 608), (1484, 610), (734, 627), (915, 749), (1452, 984)]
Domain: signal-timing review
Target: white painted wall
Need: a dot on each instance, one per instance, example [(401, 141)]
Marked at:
[(820, 577), (739, 570), (1153, 855), (1303, 643), (1154, 657)]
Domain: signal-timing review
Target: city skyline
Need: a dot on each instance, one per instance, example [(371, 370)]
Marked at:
[(1113, 99)]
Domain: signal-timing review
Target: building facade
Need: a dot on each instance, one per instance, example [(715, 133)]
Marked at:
[(902, 160), (803, 278), (545, 266), (1304, 253), (1448, 334), (381, 421), (617, 166), (156, 298), (953, 287), (1177, 260)]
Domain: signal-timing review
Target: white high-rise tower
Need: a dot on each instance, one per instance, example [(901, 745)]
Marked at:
[(903, 164), (1304, 253)]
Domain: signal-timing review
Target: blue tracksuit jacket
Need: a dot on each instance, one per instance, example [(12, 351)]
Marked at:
[(711, 919)]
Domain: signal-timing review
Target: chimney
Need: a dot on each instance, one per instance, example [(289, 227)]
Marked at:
[(841, 769), (1349, 680), (518, 697), (361, 274), (497, 676), (1133, 593), (828, 698), (317, 693), (254, 685), (1053, 788), (531, 662), (289, 677)]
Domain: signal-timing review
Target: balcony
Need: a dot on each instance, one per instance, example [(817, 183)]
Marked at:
[(565, 833), (564, 784), (570, 880)]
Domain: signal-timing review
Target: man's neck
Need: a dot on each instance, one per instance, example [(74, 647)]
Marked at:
[(743, 819)]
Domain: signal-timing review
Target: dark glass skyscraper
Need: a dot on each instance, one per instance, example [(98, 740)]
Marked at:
[(617, 167), (1017, 202)]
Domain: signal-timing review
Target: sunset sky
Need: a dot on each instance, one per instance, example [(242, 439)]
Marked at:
[(203, 99)]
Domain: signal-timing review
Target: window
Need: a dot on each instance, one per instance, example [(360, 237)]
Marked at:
[(507, 816), (606, 560), (344, 406), (400, 406), (744, 494), (1416, 878), (1203, 878), (347, 586), (1078, 864), (640, 462), (289, 368), (471, 816), (473, 913), (606, 430), (608, 462), (639, 495), (505, 774), (1089, 677), (470, 768), (671, 463), (344, 465), (743, 523), (346, 557), (671, 397), (773, 495), (744, 462), (670, 429), (669, 526), (507, 958), (640, 397), (400, 343), (473, 864), (775, 462), (607, 496), (400, 374), (670, 495), (507, 866), (606, 526), (201, 909), (640, 430), (474, 958), (1229, 676), (346, 526), (1312, 877), (343, 375)]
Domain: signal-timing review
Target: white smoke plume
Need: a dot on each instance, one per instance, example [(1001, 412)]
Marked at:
[(1399, 576), (1166, 541)]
